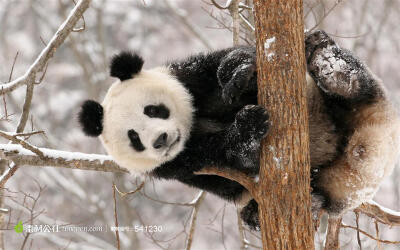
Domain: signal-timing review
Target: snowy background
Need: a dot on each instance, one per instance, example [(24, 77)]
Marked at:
[(160, 31)]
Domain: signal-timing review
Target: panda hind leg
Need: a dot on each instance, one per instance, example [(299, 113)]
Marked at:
[(337, 71)]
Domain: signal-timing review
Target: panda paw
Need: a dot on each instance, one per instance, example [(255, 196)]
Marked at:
[(317, 40), (243, 138), (335, 70), (249, 215), (252, 122), (237, 74)]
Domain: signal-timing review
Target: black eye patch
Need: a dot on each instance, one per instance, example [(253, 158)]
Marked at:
[(156, 111), (135, 140)]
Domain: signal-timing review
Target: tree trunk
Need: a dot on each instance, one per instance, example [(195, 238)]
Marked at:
[(284, 208)]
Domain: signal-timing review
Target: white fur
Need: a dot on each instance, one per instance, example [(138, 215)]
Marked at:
[(123, 110)]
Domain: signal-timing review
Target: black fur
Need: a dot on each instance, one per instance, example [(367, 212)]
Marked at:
[(205, 75), (156, 111), (249, 214), (136, 143), (125, 65), (91, 118), (237, 74)]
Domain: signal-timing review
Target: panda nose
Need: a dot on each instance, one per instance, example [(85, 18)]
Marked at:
[(161, 141)]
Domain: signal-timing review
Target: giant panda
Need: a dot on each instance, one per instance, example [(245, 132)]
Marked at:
[(174, 120)]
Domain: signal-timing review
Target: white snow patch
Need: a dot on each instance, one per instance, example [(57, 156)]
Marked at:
[(365, 194), (328, 65), (277, 160), (267, 48), (386, 210), (269, 42), (270, 56), (51, 153), (256, 178)]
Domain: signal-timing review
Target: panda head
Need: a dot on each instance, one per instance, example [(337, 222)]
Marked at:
[(145, 118)]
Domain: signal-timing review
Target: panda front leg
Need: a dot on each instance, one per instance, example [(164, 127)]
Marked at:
[(243, 138), (337, 71), (237, 74)]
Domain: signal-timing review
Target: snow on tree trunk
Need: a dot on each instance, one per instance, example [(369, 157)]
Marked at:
[(284, 198)]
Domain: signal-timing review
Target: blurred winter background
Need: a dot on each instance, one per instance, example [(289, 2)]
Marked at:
[(160, 31)]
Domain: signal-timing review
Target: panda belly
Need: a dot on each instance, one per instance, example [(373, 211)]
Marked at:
[(323, 139), (349, 174), (368, 157)]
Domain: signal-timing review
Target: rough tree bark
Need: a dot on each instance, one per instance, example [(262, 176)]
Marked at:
[(284, 199)]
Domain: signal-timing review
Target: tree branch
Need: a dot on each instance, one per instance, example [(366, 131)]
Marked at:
[(56, 158), (370, 236), (332, 236), (40, 63), (380, 213), (23, 143), (234, 175), (116, 218), (196, 205)]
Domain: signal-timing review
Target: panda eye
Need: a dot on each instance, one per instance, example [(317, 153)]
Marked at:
[(135, 140), (156, 111)]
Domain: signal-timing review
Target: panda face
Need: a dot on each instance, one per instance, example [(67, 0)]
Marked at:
[(146, 120)]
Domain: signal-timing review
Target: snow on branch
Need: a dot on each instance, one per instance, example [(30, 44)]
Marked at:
[(56, 158), (41, 61), (380, 213)]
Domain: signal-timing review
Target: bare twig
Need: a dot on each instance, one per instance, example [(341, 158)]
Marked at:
[(7, 174), (186, 204), (234, 11), (197, 202), (83, 25), (123, 194), (26, 108), (381, 214), (332, 236), (223, 25), (116, 217), (358, 226), (377, 234), (243, 240), (9, 80), (370, 236), (12, 67), (247, 22), (227, 4), (40, 63), (23, 143), (222, 226), (233, 7)]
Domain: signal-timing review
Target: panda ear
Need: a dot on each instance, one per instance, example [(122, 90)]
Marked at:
[(125, 65), (91, 118)]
